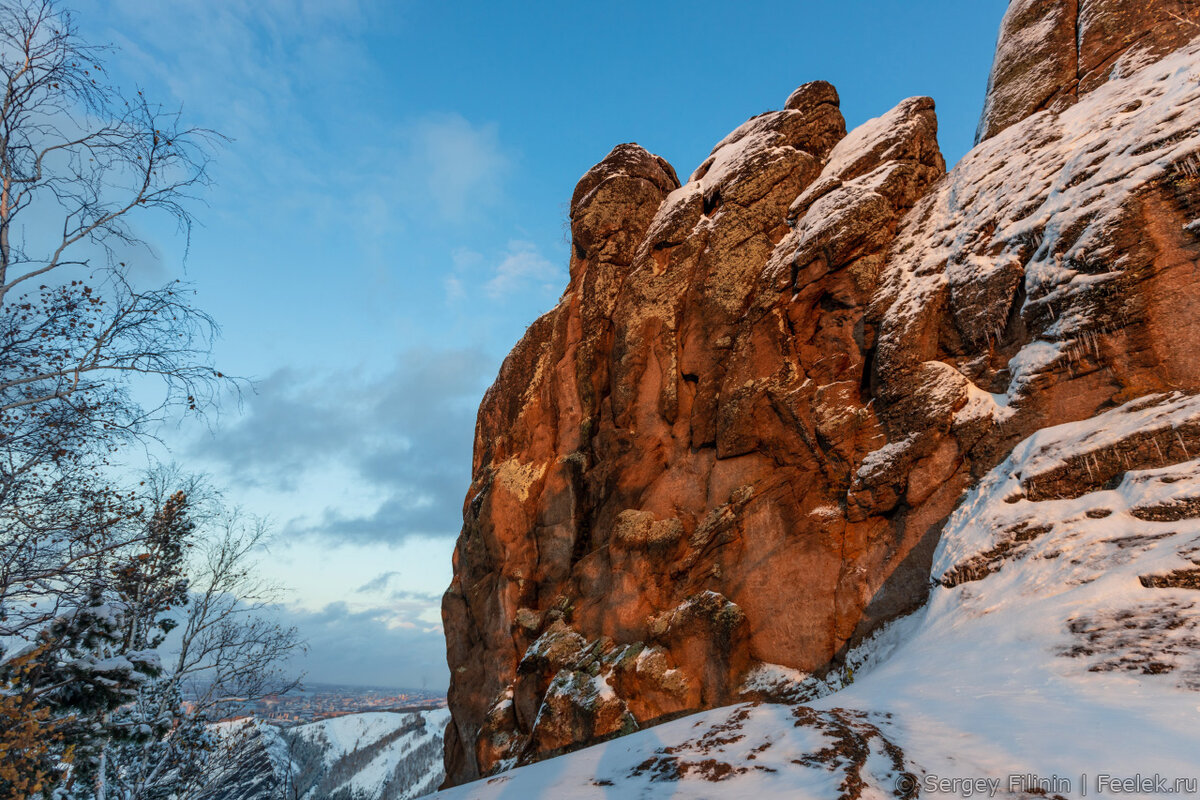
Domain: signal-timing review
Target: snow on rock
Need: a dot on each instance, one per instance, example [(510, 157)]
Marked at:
[(1071, 648), (852, 207), (877, 460), (748, 163), (1036, 205), (1151, 430), (765, 750), (872, 149), (1049, 54), (748, 360)]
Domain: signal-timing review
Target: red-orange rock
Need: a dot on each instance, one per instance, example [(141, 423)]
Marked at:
[(657, 436), (735, 440), (1051, 51)]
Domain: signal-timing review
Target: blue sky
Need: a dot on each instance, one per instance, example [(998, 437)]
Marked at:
[(389, 217)]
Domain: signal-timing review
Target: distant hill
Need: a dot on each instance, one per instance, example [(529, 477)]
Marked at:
[(380, 755)]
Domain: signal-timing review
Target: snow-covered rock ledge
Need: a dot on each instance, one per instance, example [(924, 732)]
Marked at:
[(1070, 651)]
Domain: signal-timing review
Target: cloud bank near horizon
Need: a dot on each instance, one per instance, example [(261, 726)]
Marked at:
[(403, 436)]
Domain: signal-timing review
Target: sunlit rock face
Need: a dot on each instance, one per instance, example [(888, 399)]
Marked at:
[(1051, 52), (735, 441)]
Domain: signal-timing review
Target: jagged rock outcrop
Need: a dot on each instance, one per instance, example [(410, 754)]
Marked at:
[(1052, 51), (736, 439), (1062, 633)]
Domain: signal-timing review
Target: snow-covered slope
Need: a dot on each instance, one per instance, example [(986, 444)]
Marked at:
[(250, 761), (1039, 202), (343, 735), (1059, 650), (369, 756)]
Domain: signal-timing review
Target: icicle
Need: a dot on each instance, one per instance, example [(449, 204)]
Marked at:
[(1184, 446)]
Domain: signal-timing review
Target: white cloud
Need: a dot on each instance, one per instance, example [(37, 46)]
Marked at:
[(522, 268), (455, 291), (294, 85), (379, 583), (404, 436), (236, 63), (380, 645), (461, 165)]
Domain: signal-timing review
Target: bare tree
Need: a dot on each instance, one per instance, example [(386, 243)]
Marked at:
[(71, 140), (80, 162), (231, 651), (88, 568)]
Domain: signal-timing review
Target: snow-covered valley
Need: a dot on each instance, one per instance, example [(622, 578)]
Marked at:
[(368, 756)]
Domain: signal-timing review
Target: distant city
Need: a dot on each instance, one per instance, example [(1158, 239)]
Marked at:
[(316, 701)]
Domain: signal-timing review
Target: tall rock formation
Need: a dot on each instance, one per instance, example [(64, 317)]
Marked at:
[(1052, 51), (732, 445)]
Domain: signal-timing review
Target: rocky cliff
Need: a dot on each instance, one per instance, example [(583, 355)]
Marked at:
[(1058, 655), (729, 451)]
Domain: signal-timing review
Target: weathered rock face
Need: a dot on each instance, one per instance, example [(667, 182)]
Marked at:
[(1052, 51), (735, 440)]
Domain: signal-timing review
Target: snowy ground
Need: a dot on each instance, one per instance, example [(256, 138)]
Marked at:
[(1059, 652)]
